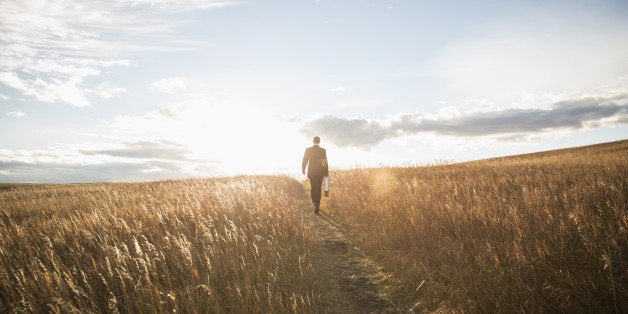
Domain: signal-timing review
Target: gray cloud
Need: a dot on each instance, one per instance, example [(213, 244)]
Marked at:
[(145, 150), (348, 132), (573, 114), (168, 112), (143, 160), (19, 171)]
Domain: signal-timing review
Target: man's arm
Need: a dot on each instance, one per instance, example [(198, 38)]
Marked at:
[(304, 162), (325, 163)]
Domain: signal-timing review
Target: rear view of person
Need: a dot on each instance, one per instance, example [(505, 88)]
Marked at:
[(315, 158)]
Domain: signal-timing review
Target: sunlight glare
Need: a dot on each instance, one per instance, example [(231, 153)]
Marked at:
[(242, 140)]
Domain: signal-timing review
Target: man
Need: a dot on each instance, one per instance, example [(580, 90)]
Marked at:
[(315, 158)]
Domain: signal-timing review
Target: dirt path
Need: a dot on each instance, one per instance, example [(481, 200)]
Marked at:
[(347, 280)]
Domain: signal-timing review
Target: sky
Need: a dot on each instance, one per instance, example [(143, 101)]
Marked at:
[(133, 90)]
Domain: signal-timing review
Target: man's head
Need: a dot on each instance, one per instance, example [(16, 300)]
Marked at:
[(316, 140)]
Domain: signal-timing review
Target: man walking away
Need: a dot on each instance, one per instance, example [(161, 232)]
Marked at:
[(315, 158)]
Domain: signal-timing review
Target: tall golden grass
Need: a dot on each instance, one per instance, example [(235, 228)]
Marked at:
[(535, 233), (207, 245)]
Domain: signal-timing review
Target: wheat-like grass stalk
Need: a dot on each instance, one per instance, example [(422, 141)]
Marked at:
[(207, 245), (536, 233)]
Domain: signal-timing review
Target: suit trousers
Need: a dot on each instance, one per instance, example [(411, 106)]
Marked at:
[(316, 181)]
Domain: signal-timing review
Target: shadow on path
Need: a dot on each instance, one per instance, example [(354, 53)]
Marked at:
[(347, 281)]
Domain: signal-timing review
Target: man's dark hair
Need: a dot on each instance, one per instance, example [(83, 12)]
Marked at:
[(317, 139)]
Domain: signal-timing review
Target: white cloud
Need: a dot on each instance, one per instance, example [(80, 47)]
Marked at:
[(4, 97), (12, 80), (182, 5), (51, 46), (56, 90), (16, 113), (63, 67), (67, 91), (169, 111), (169, 85), (339, 89), (106, 91)]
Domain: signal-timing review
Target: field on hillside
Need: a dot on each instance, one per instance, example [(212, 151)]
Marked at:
[(535, 233), (544, 232), (222, 245)]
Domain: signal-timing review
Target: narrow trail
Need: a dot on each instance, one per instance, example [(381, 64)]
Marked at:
[(347, 280)]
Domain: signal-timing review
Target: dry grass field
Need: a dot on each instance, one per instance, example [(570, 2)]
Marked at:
[(233, 244), (542, 232)]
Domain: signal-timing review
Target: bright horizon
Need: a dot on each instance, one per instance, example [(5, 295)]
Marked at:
[(132, 90)]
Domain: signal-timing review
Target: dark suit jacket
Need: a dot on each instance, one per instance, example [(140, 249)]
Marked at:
[(315, 158)]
